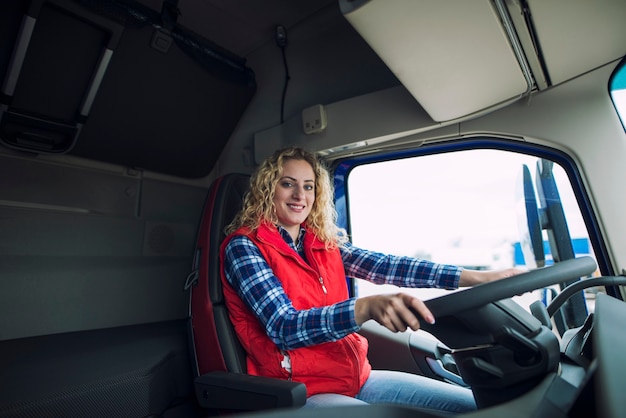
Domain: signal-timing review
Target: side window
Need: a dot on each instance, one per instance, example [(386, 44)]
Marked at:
[(617, 87), (466, 208)]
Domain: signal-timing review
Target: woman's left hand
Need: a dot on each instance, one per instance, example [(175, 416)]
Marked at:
[(474, 277)]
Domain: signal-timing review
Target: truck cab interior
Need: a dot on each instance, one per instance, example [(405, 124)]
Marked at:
[(485, 134)]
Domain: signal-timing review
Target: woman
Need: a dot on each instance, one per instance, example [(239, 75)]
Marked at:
[(285, 267)]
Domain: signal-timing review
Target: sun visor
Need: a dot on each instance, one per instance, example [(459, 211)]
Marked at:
[(477, 69)]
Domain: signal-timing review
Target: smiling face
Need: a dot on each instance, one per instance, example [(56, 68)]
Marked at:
[(294, 195)]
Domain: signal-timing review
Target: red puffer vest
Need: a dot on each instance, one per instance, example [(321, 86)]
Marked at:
[(334, 367)]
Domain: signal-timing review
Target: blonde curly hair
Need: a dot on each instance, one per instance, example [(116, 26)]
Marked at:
[(258, 204)]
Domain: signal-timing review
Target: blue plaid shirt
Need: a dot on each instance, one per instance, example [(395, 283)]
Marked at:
[(254, 281)]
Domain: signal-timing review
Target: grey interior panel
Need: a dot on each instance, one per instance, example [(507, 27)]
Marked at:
[(88, 249)]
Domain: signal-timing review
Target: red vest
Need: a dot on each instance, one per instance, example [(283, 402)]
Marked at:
[(333, 367)]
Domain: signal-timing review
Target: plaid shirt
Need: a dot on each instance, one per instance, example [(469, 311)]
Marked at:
[(254, 281)]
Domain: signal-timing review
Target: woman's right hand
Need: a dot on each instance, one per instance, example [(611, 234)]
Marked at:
[(396, 312)]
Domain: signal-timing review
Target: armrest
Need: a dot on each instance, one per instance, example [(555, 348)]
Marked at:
[(236, 391)]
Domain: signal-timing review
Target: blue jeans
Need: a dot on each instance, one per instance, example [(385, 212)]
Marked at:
[(392, 387)]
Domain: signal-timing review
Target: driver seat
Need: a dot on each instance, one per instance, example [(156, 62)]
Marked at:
[(219, 359)]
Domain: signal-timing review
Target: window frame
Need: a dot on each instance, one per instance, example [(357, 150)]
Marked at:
[(342, 168)]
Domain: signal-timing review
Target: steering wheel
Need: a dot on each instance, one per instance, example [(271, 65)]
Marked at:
[(500, 349), (566, 293), (483, 294), (575, 342)]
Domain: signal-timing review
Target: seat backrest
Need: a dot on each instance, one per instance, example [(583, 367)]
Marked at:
[(213, 336)]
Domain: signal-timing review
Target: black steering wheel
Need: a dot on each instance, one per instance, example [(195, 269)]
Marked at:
[(500, 349), (483, 294), (471, 317), (570, 290)]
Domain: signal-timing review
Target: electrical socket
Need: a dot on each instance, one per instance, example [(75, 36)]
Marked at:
[(314, 119)]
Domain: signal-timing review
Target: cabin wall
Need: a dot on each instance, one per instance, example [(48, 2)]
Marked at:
[(88, 249), (327, 61), (113, 245)]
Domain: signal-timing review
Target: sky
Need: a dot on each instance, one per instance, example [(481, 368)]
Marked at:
[(452, 207), (457, 208)]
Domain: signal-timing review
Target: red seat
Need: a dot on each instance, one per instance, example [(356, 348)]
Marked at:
[(220, 361)]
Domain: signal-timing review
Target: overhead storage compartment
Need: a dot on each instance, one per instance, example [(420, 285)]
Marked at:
[(408, 34), (54, 76), (588, 35), (461, 57), (118, 82)]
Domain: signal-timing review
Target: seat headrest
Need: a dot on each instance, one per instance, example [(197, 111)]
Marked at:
[(226, 204)]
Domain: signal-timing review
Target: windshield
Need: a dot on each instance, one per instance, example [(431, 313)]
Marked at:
[(464, 208)]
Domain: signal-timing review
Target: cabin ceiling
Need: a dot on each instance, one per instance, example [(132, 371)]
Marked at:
[(456, 58), (242, 26), (124, 82)]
